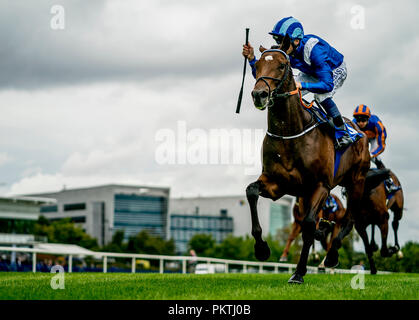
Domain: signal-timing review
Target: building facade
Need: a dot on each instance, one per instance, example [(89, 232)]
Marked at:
[(184, 227), (189, 216), (19, 214), (102, 210)]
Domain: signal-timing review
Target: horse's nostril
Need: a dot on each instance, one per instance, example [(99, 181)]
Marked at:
[(263, 94)]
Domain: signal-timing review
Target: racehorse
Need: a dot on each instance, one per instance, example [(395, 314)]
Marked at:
[(299, 158), (326, 223), (375, 207)]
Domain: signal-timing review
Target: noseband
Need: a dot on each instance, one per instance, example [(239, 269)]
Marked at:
[(274, 94)]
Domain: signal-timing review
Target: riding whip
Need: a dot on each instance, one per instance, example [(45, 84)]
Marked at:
[(239, 102)]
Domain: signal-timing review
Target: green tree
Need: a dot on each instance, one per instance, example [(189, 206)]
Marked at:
[(117, 244), (201, 243), (64, 231), (144, 242)]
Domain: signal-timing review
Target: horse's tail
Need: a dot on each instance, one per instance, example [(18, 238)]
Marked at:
[(374, 178)]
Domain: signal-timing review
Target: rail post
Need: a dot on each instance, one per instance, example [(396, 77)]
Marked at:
[(70, 263), (105, 264), (183, 266), (133, 265), (161, 266), (34, 262)]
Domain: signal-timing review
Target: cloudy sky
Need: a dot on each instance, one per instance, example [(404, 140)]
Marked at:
[(86, 105)]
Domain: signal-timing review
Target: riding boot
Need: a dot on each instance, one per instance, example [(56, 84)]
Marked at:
[(379, 164), (390, 186), (345, 140), (332, 110)]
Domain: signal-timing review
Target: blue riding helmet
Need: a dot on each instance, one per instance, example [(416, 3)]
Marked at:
[(290, 26)]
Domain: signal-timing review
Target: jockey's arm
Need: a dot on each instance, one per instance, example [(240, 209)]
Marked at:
[(323, 72), (380, 136)]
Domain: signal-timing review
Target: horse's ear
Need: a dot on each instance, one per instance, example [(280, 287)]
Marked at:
[(261, 49), (286, 43)]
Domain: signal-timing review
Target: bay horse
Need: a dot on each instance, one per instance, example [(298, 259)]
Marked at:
[(375, 208), (298, 158), (326, 223)]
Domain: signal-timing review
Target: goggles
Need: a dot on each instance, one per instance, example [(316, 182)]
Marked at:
[(361, 119), (278, 38)]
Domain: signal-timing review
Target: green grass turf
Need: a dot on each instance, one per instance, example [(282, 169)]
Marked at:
[(99, 286)]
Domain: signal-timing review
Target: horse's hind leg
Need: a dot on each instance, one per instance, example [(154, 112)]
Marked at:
[(364, 236), (395, 224), (385, 251), (259, 187), (311, 207), (354, 207)]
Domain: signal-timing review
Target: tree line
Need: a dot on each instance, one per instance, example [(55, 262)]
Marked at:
[(232, 247)]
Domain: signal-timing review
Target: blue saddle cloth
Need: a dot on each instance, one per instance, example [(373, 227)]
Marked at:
[(320, 117)]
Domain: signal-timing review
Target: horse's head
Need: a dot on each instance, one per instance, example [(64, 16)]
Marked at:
[(271, 71)]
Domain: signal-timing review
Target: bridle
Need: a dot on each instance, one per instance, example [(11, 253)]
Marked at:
[(275, 94)]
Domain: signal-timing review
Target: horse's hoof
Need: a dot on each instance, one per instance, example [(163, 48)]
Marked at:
[(296, 278), (392, 250), (262, 251), (373, 270), (374, 247), (318, 235), (385, 253), (399, 255), (283, 259), (332, 260)]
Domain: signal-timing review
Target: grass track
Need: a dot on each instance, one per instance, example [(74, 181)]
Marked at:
[(98, 286)]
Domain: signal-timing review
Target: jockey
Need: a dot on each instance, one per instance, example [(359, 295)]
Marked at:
[(374, 129), (322, 67)]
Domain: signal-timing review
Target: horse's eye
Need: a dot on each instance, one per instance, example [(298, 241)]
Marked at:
[(282, 66)]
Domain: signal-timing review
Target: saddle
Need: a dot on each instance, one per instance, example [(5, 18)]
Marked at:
[(320, 116)]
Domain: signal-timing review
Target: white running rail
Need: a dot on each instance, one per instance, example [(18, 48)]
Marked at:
[(162, 258)]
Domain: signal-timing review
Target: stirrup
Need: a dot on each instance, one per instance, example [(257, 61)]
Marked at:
[(343, 142)]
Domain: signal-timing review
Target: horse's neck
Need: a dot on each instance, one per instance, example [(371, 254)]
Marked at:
[(287, 117)]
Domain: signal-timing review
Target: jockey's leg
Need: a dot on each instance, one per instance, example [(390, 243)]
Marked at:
[(332, 110), (378, 163)]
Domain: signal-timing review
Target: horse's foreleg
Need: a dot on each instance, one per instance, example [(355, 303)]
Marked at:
[(332, 257), (295, 231), (334, 234), (311, 207), (262, 251), (373, 245)]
